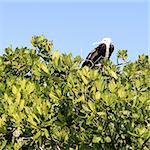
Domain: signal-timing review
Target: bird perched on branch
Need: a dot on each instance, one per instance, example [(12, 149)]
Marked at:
[(103, 51)]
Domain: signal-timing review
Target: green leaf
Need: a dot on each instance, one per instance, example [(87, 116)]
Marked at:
[(113, 74), (8, 50), (2, 120), (112, 86), (83, 77), (141, 131), (108, 139), (122, 54), (97, 95), (99, 84), (23, 83), (85, 107), (3, 145), (102, 114), (22, 104), (84, 80), (14, 90), (132, 134), (56, 55), (52, 96), (46, 133), (96, 139), (91, 105), (30, 87), (126, 112), (44, 68), (80, 99), (32, 122), (121, 92), (36, 118), (37, 135), (18, 97)]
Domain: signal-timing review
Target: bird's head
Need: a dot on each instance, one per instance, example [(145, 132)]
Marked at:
[(106, 40)]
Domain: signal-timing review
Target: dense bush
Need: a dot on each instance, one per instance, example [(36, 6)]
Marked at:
[(48, 102)]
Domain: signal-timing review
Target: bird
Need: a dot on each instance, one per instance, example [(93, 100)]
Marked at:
[(102, 51)]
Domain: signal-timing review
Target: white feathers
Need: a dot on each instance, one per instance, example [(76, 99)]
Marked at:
[(103, 50), (106, 41)]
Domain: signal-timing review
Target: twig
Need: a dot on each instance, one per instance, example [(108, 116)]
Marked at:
[(127, 62), (144, 144), (58, 147)]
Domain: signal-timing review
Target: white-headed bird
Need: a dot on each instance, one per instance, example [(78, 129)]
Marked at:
[(103, 51)]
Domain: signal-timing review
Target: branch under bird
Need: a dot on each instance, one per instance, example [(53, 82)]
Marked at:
[(102, 51)]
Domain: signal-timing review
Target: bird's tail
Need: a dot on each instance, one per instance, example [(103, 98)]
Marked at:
[(88, 63)]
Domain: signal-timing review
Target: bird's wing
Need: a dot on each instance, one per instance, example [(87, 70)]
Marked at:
[(93, 57), (97, 53), (111, 49)]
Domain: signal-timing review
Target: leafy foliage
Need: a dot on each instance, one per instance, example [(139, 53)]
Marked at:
[(48, 102)]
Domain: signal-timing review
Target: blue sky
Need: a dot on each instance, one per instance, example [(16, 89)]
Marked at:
[(75, 25)]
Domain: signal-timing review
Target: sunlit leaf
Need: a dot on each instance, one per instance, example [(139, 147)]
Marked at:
[(14, 89), (108, 139), (97, 95), (114, 74), (30, 87), (121, 92), (85, 107), (112, 86), (96, 139), (37, 135), (91, 105), (44, 68), (22, 103)]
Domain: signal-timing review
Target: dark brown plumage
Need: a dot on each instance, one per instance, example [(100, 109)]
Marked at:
[(104, 50)]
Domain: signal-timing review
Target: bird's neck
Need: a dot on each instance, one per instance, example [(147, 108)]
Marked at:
[(107, 51)]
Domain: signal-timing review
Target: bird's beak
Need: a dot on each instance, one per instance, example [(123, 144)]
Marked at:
[(96, 43)]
